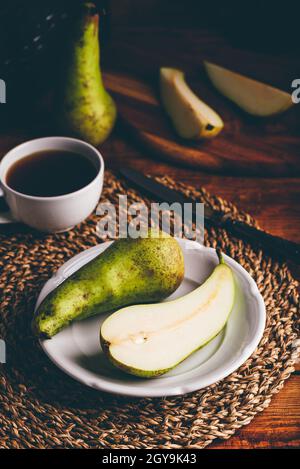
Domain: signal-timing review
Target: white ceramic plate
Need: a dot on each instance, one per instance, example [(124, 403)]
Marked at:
[(76, 349)]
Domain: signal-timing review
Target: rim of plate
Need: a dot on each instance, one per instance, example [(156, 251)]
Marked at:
[(169, 388)]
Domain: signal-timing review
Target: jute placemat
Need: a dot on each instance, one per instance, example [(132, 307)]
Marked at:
[(40, 407)]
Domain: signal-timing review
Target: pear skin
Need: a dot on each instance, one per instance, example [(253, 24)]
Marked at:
[(130, 271), (86, 109)]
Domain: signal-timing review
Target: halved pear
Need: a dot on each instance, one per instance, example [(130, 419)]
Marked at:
[(191, 117), (148, 340), (252, 96)]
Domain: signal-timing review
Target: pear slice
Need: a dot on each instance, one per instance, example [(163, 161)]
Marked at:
[(191, 117), (148, 340), (252, 96)]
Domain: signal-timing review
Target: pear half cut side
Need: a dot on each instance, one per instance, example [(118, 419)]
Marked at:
[(150, 339), (191, 117), (252, 96)]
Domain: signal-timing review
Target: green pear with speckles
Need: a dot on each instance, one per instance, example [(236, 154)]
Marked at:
[(86, 110), (130, 271)]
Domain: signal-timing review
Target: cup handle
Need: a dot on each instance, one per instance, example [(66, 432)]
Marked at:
[(5, 216)]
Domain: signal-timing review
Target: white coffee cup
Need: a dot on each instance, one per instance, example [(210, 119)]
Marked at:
[(58, 213)]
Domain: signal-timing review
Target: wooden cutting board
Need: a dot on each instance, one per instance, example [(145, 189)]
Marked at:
[(246, 145)]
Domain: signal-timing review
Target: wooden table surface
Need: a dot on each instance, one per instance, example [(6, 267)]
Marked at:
[(274, 202)]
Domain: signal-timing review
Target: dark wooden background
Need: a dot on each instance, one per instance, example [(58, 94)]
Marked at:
[(147, 34), (141, 39)]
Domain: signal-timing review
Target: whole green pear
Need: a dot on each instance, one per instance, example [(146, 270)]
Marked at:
[(85, 109), (130, 271)]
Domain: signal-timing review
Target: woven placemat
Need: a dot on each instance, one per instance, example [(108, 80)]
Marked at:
[(41, 407)]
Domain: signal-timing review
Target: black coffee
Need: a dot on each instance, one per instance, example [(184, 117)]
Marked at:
[(50, 173)]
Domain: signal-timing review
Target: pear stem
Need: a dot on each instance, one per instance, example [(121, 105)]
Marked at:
[(220, 256)]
